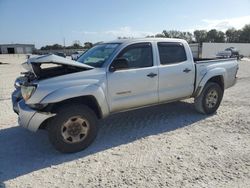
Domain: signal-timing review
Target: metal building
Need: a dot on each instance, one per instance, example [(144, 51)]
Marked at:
[(16, 48)]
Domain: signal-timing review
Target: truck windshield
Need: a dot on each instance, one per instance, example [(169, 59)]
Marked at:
[(97, 55)]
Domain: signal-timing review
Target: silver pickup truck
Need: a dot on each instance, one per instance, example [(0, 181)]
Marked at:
[(68, 97)]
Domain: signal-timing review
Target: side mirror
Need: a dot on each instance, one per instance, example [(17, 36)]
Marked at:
[(118, 64)]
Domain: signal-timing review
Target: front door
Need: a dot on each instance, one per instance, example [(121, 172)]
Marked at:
[(136, 85)]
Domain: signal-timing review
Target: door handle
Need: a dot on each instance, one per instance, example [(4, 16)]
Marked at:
[(186, 70), (151, 75)]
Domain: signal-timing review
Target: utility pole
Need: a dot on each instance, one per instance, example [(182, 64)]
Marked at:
[(63, 44)]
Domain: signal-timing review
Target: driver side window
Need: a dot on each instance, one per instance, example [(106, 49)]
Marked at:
[(138, 55)]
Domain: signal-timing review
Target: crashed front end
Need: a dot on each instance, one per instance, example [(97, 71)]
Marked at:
[(32, 114), (29, 115)]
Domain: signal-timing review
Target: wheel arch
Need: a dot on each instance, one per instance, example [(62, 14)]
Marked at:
[(219, 80), (88, 100), (215, 75)]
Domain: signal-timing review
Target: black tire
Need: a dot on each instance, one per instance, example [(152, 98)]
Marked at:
[(56, 124), (200, 101)]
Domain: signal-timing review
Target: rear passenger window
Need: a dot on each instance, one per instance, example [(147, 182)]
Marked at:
[(171, 53)]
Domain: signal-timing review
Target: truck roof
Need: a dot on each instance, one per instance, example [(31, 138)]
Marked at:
[(123, 41)]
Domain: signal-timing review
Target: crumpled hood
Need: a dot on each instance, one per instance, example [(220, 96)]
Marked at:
[(83, 77), (52, 59), (83, 80)]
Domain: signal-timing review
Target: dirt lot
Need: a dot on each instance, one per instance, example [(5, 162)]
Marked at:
[(166, 146)]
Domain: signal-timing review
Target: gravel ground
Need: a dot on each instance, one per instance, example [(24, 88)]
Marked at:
[(165, 146)]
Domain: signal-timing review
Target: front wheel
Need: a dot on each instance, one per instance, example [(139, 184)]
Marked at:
[(73, 128), (210, 98)]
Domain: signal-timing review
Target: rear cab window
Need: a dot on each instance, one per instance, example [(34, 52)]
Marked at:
[(171, 52)]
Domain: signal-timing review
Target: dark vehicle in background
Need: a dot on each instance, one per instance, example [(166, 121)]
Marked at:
[(60, 54), (230, 52)]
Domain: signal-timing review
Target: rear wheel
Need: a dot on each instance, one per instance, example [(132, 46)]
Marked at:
[(210, 98), (73, 128)]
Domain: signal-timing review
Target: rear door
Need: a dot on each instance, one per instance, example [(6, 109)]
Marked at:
[(176, 71), (137, 85)]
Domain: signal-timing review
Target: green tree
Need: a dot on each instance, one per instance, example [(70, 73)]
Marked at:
[(76, 45), (200, 36), (88, 45), (233, 35), (220, 37), (176, 34), (211, 35), (159, 35), (187, 36), (215, 36), (52, 47), (166, 34), (245, 34), (150, 36)]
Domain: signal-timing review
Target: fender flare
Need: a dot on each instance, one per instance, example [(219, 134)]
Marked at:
[(210, 74), (79, 91)]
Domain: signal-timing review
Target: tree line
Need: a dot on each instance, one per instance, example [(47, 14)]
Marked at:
[(75, 45), (198, 36), (231, 35)]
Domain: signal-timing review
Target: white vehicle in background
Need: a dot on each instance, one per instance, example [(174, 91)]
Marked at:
[(112, 77), (76, 55)]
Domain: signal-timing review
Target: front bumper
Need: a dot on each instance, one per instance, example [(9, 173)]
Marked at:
[(28, 117), (16, 97), (31, 119)]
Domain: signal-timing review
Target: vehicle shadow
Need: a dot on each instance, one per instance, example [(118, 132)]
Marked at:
[(22, 152)]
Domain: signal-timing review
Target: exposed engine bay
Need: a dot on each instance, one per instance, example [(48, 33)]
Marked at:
[(48, 66), (41, 72)]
